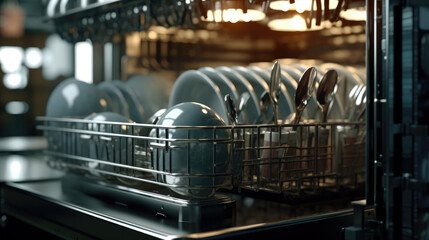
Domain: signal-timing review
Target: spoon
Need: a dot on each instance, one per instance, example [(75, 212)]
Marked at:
[(326, 91), (231, 110), (304, 91), (244, 99), (275, 80), (264, 102)]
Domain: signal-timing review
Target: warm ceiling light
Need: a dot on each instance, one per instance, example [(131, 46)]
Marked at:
[(294, 24), (280, 5), (300, 5), (234, 15), (354, 14)]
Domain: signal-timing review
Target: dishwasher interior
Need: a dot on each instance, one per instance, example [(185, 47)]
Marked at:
[(279, 164), (259, 165)]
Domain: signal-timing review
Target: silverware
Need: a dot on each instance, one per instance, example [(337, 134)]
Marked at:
[(265, 103), (244, 99), (231, 110), (304, 91), (326, 91), (275, 80)]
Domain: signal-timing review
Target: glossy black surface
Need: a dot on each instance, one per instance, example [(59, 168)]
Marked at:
[(72, 213)]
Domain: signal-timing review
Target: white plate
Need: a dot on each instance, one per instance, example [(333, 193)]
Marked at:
[(258, 84), (358, 73), (301, 67), (119, 103), (152, 91), (252, 109), (136, 109), (225, 86), (286, 106), (294, 73), (195, 86)]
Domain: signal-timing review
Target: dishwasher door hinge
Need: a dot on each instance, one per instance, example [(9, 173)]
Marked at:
[(407, 183), (411, 129)]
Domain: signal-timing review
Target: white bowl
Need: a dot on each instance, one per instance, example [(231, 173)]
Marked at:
[(195, 157), (106, 148), (74, 98)]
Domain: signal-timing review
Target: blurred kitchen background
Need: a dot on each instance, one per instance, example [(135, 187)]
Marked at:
[(34, 58)]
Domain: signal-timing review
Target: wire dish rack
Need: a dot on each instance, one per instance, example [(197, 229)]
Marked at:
[(195, 161)]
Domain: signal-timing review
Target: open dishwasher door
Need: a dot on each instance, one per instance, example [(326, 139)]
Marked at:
[(397, 122)]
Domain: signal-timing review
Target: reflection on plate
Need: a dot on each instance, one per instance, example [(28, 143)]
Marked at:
[(136, 109), (195, 86), (252, 109), (119, 103), (74, 98)]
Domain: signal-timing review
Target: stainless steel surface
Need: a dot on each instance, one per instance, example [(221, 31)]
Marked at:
[(28, 143), (326, 91), (231, 110), (26, 167), (304, 165), (304, 91), (244, 100), (75, 214), (275, 81)]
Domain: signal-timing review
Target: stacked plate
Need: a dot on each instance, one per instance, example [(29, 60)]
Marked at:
[(209, 86), (140, 97)]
